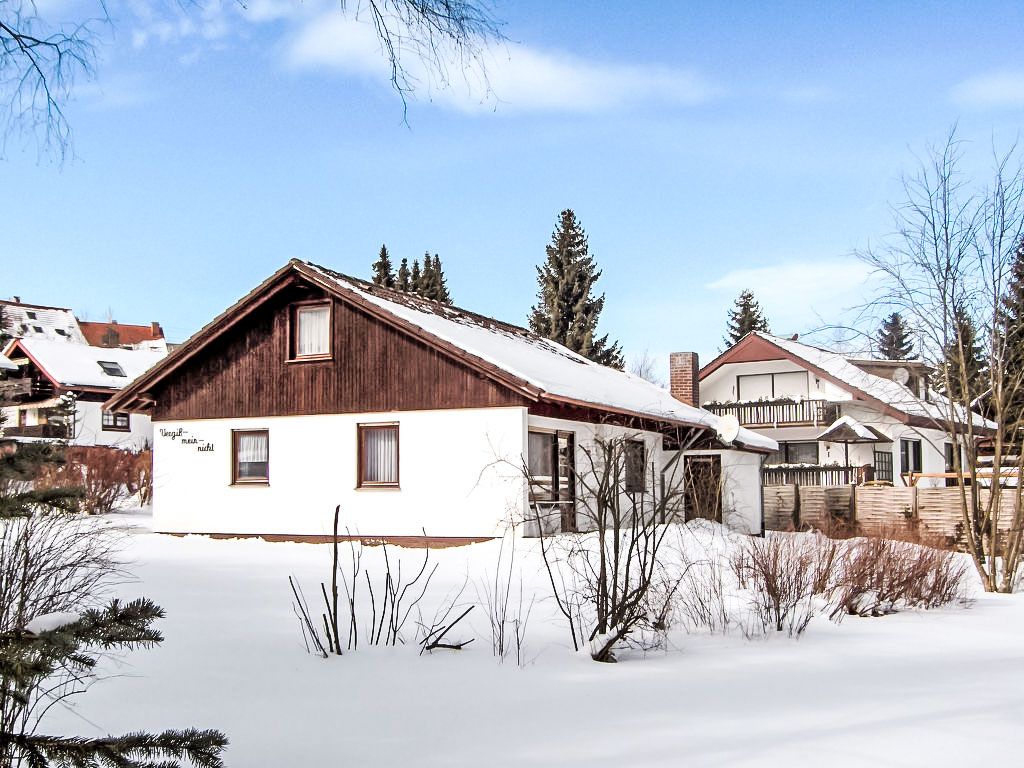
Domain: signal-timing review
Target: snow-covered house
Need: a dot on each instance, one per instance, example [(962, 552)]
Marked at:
[(47, 371), (34, 321), (317, 390), (837, 419)]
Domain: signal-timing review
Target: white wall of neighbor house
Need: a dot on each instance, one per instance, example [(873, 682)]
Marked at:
[(721, 384), (586, 436), (933, 441), (89, 429), (459, 475), (741, 489)]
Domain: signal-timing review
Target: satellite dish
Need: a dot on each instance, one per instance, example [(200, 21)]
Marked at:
[(901, 375), (728, 428)]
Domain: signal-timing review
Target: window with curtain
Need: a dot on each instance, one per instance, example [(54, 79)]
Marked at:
[(251, 456), (112, 421), (378, 455), (312, 332)]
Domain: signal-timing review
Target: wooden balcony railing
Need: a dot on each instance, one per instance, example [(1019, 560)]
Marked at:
[(37, 430), (780, 413), (826, 475)]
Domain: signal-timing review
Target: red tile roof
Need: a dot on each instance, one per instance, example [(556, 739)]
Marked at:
[(96, 333)]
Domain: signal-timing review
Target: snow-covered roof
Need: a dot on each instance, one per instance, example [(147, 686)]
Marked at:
[(29, 321), (78, 365), (542, 363), (6, 364), (848, 429), (887, 391)]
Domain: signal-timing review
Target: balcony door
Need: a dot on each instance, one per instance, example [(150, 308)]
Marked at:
[(552, 465)]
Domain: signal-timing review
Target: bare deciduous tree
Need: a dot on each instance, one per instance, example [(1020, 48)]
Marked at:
[(949, 259)]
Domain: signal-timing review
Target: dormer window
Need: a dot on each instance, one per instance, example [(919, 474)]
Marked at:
[(311, 332), (31, 315), (111, 369)]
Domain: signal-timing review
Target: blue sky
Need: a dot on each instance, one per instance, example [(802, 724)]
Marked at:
[(704, 147)]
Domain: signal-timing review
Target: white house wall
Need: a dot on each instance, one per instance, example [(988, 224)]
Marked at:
[(459, 475), (89, 429), (720, 385), (741, 489)]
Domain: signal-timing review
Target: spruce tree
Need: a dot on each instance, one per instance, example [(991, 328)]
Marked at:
[(402, 282), (566, 310), (894, 339), (745, 316), (440, 282), (383, 274), (56, 651), (1011, 323), (964, 361), (428, 281), (415, 277)]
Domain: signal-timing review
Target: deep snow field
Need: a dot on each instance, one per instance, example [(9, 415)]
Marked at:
[(919, 688)]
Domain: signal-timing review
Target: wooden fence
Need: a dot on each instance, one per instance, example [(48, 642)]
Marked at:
[(870, 509)]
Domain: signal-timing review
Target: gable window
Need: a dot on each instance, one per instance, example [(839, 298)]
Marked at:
[(378, 456), (769, 386), (311, 331), (910, 456), (250, 456), (30, 315), (114, 421), (635, 456), (111, 368)]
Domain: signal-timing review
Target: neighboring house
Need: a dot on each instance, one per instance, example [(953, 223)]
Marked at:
[(113, 334), (837, 419), (33, 321), (48, 370), (317, 390)]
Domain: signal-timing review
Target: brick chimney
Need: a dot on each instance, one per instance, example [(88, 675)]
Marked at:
[(682, 377), (156, 330)]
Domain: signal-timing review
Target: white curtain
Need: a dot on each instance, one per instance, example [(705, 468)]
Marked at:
[(253, 450), (380, 455), (314, 336)]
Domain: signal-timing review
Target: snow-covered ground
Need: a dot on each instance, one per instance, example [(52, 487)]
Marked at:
[(936, 688)]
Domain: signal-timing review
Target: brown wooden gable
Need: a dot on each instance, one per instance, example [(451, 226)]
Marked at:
[(373, 367)]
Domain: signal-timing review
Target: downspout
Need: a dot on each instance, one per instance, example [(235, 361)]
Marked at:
[(760, 487)]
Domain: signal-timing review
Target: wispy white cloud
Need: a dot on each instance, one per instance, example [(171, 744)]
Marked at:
[(993, 89), (513, 78), (800, 295)]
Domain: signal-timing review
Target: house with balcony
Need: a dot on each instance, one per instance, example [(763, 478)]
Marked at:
[(837, 419), (56, 390)]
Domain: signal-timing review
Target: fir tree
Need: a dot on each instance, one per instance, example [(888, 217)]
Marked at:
[(1011, 323), (745, 316), (894, 339), (428, 281), (566, 311), (383, 274), (402, 283), (56, 652), (439, 287), (964, 360), (415, 277)]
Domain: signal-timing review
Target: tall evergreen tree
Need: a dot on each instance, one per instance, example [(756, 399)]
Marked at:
[(566, 310), (54, 652), (383, 274), (440, 282), (402, 283), (428, 281), (415, 277), (745, 316), (964, 361), (894, 339), (1011, 323)]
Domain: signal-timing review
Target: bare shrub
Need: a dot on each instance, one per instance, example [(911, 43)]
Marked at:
[(49, 564), (783, 573), (882, 575), (507, 615), (140, 477), (108, 476)]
